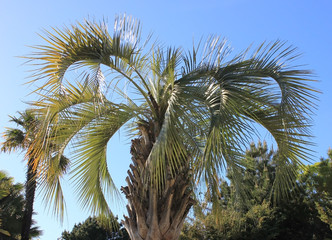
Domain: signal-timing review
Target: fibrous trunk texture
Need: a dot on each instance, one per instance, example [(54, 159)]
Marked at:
[(30, 189), (152, 214)]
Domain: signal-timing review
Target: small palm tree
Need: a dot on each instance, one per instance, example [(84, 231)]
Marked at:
[(189, 115), (22, 139)]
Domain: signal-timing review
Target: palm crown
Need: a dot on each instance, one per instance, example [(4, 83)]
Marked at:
[(20, 138), (189, 112)]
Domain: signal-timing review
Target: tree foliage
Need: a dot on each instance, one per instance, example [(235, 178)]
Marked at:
[(304, 214), (317, 181), (12, 205), (93, 229)]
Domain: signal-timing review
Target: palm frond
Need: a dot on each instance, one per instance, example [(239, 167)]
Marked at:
[(78, 112), (93, 181), (242, 91), (50, 184), (90, 44)]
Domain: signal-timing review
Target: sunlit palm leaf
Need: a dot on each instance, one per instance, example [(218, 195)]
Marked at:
[(90, 168)]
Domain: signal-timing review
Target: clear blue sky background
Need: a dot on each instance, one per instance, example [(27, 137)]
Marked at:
[(303, 23)]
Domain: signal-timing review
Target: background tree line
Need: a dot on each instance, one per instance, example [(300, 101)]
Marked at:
[(306, 213)]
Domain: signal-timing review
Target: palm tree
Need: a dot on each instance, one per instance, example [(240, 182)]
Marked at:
[(22, 139), (190, 114)]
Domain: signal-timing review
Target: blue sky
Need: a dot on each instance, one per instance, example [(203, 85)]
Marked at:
[(304, 24)]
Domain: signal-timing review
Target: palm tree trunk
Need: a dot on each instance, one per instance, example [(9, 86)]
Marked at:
[(30, 189), (154, 215)]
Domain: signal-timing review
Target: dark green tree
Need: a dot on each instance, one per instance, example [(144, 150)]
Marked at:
[(93, 229), (317, 182), (12, 206)]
